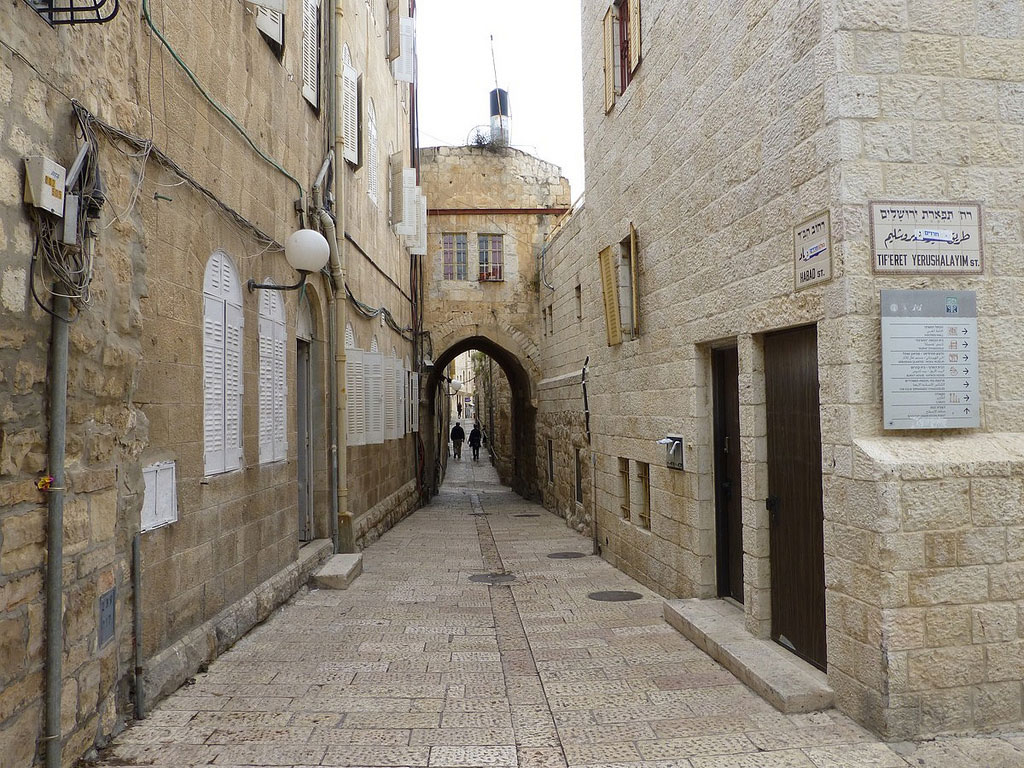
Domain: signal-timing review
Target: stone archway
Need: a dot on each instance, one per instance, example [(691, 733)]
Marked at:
[(518, 366)]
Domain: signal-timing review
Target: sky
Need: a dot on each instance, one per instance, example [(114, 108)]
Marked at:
[(539, 61)]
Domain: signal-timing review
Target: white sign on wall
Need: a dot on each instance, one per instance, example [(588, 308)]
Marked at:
[(812, 255), (930, 360), (926, 238)]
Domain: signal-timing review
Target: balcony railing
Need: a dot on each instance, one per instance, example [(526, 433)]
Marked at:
[(76, 11)]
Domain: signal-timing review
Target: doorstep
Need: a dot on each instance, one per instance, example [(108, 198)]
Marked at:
[(785, 681), (339, 571)]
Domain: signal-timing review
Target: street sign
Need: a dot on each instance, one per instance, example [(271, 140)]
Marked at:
[(930, 360), (812, 251), (926, 238)]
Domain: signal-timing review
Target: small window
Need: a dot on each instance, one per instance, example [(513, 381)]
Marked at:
[(624, 487), (625, 282), (160, 498), (551, 319), (551, 462), (579, 477), (222, 366), (620, 275), (455, 255), (579, 302), (643, 475), (492, 258), (622, 24)]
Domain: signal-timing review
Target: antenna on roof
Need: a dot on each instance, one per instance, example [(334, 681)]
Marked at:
[(500, 127)]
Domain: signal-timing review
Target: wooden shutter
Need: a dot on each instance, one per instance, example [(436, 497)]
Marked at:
[(280, 387), (266, 381), (610, 289), (407, 224), (213, 384), (634, 35), (634, 265), (355, 410), (271, 24), (232, 387), (419, 245), (350, 113), (376, 404), (311, 51), (401, 384), (396, 167), (394, 29), (388, 385), (372, 181), (405, 64), (609, 60)]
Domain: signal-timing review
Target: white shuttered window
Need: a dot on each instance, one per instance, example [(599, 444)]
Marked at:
[(405, 64), (355, 410), (373, 393), (390, 399), (271, 24), (311, 51), (273, 378), (222, 366), (372, 170), (414, 401), (350, 113)]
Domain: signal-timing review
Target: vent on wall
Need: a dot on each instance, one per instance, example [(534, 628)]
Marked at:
[(76, 11)]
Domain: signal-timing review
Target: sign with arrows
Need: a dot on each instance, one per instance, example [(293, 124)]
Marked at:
[(930, 360)]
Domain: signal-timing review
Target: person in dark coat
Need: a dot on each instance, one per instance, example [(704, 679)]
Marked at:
[(458, 436), (474, 441)]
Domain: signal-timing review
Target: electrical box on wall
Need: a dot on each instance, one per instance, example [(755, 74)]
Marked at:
[(44, 184), (673, 451)]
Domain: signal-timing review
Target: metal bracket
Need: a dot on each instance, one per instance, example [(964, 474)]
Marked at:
[(56, 12)]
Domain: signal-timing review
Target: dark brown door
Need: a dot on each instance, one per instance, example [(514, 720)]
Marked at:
[(728, 492), (794, 487)]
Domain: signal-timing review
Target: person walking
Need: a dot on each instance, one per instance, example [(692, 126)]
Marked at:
[(474, 441), (458, 436)]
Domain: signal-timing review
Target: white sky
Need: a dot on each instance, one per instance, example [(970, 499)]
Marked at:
[(538, 49)]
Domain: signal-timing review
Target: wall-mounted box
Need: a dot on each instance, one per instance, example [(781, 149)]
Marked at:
[(44, 184), (673, 451)]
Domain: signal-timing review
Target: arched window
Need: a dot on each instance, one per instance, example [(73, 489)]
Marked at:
[(222, 366), (372, 161), (355, 378), (373, 393), (390, 396), (273, 378)]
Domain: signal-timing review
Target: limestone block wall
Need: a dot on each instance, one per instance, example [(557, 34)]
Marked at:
[(752, 118)]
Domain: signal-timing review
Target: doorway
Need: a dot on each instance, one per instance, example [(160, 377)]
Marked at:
[(728, 487), (794, 486), (304, 417)]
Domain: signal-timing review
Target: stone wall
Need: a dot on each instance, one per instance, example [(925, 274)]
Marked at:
[(753, 118)]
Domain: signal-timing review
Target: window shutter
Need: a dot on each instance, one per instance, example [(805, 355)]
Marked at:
[(280, 389), (610, 288), (388, 383), (634, 265), (407, 224), (350, 113), (266, 382), (271, 24), (414, 404), (311, 51), (375, 404), (609, 60), (634, 35), (394, 29), (213, 384), (405, 64), (372, 180), (396, 165), (419, 246), (402, 411), (232, 387), (355, 411)]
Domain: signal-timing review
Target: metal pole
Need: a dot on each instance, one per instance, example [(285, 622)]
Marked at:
[(55, 528), (140, 704)]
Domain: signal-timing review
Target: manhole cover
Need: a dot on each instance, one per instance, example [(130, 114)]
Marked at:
[(493, 578), (565, 555), (614, 596), (529, 515)]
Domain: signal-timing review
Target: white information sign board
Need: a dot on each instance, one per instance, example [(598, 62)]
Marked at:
[(930, 360), (812, 254), (926, 238)]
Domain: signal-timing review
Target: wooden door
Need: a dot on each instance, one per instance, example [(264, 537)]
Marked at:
[(794, 487), (304, 398), (728, 489)]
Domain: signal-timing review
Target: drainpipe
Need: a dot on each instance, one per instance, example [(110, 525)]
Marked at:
[(55, 527), (346, 539), (140, 706)]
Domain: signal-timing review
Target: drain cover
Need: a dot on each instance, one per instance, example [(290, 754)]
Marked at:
[(529, 515), (566, 555), (494, 578), (614, 596)]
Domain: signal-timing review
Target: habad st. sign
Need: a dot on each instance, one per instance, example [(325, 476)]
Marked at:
[(926, 238), (812, 254)]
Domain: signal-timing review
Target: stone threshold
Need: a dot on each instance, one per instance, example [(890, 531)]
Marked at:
[(339, 571), (785, 681), (170, 668)]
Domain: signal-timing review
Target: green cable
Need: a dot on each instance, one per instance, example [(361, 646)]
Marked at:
[(213, 102)]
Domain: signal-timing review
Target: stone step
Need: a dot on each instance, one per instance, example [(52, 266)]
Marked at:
[(339, 571), (785, 681)]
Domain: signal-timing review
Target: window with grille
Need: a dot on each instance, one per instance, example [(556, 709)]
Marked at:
[(492, 258), (621, 48), (455, 254), (643, 475), (624, 487)]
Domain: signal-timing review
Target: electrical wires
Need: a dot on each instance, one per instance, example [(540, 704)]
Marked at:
[(370, 313)]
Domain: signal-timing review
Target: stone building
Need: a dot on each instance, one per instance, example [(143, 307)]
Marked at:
[(728, 147), (200, 413), (491, 208)]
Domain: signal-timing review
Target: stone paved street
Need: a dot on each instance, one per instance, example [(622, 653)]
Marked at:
[(416, 665)]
